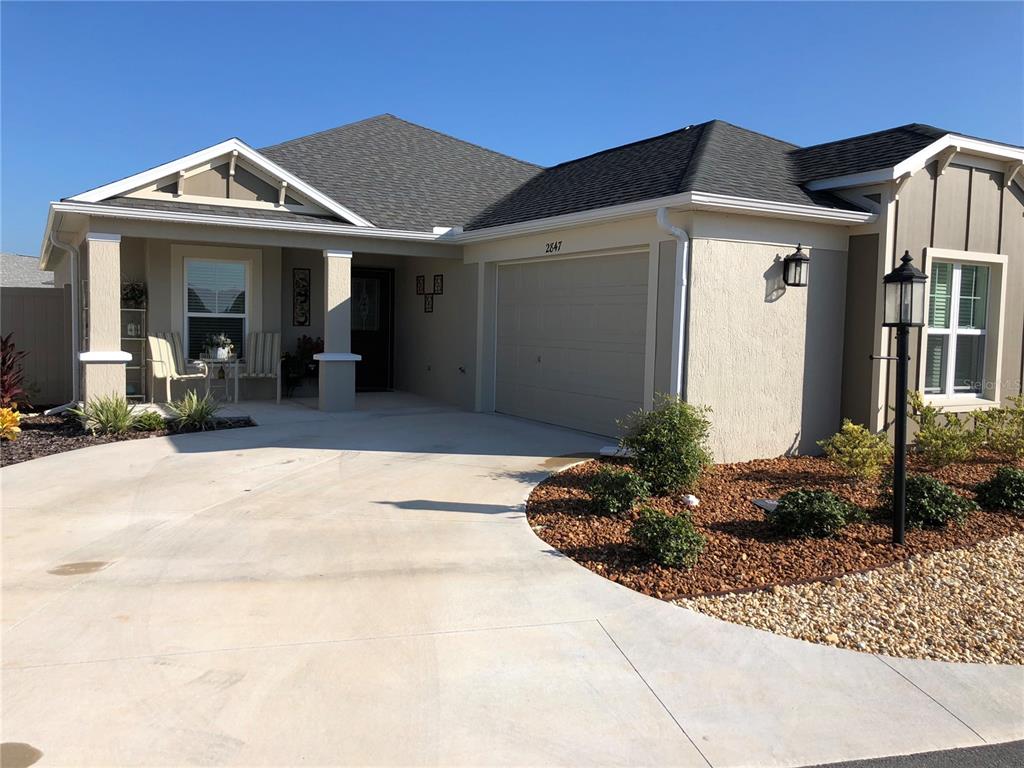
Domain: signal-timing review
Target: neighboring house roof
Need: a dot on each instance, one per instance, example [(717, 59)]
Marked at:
[(17, 271), (401, 175), (715, 157)]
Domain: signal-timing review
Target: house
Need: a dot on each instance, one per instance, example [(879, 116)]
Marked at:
[(18, 271), (573, 294)]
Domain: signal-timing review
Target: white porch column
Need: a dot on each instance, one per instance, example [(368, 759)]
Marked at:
[(337, 363), (102, 359)]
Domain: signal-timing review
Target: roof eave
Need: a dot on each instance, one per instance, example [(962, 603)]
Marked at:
[(704, 201), (190, 217)]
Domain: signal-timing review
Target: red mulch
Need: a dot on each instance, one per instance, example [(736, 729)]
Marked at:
[(742, 551), (46, 435)]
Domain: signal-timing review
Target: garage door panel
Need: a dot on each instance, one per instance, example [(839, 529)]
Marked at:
[(571, 340)]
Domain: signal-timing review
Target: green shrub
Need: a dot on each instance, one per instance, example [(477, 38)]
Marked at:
[(1003, 428), (1004, 491), (150, 421), (933, 504), (942, 438), (812, 514), (195, 414), (669, 540), (107, 415), (615, 491), (858, 451), (669, 444)]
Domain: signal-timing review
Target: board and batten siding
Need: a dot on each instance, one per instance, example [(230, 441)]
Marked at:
[(965, 208)]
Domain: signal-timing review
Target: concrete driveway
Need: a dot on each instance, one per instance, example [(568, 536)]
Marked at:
[(363, 589)]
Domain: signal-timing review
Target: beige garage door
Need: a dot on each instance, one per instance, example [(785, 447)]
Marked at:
[(570, 346)]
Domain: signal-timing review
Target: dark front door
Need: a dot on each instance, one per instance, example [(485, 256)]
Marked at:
[(372, 326)]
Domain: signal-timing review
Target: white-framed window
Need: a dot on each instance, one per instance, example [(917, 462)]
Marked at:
[(958, 311), (216, 301)]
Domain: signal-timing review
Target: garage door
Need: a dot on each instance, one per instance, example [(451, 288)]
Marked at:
[(570, 346)]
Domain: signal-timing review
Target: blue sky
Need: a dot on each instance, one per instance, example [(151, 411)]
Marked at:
[(94, 92)]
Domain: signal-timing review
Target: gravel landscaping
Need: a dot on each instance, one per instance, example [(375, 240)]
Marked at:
[(960, 605), (46, 435), (743, 552)]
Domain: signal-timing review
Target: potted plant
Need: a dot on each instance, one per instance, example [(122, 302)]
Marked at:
[(219, 346), (133, 294)]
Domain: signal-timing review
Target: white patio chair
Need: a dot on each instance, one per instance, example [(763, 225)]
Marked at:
[(263, 358), (167, 360)]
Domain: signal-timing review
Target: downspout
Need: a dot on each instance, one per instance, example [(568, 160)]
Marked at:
[(72, 252), (680, 324), (680, 316)]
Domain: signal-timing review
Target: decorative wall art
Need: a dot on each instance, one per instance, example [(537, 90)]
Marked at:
[(437, 285), (300, 296)]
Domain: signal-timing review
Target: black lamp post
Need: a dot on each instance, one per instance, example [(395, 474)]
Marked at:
[(904, 309), (795, 268)]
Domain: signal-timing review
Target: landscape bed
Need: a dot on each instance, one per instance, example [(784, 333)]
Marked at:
[(743, 551), (46, 435), (949, 594)]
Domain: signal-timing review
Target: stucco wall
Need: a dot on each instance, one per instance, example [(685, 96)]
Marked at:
[(435, 353), (767, 361), (297, 258)]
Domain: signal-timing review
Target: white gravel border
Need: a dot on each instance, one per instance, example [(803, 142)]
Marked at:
[(961, 605)]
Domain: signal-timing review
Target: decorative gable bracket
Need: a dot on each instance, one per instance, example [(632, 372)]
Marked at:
[(170, 179)]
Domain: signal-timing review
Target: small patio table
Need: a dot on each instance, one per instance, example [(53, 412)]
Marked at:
[(222, 369)]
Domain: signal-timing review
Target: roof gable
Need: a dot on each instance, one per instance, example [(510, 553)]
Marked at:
[(257, 174)]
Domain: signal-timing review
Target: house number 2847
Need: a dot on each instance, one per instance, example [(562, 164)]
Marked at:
[(554, 247)]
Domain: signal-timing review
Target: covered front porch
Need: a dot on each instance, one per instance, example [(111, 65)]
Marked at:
[(351, 315)]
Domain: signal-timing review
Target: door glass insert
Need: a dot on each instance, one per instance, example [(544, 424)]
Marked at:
[(365, 304)]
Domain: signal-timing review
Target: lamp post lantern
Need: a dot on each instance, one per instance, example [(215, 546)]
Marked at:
[(904, 309), (795, 268)]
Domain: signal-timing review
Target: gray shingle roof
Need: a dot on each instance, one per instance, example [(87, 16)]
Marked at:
[(714, 157), (404, 176), (401, 175), (882, 149), (220, 210), (17, 271)]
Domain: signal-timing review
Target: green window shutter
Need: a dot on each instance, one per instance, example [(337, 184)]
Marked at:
[(935, 365), (940, 295)]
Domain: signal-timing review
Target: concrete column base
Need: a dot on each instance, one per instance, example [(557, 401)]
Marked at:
[(337, 381), (102, 380)]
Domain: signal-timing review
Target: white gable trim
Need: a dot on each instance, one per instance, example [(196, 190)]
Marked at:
[(917, 161), (154, 175)]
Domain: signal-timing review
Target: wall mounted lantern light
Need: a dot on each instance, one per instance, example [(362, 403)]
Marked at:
[(795, 268)]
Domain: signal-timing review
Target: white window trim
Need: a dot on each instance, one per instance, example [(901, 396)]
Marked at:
[(246, 323), (988, 398), (253, 258)]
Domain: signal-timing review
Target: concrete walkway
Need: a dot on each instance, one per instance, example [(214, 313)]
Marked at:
[(364, 589)]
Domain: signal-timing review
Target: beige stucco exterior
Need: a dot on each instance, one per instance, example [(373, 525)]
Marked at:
[(772, 386), (767, 359), (778, 366)]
